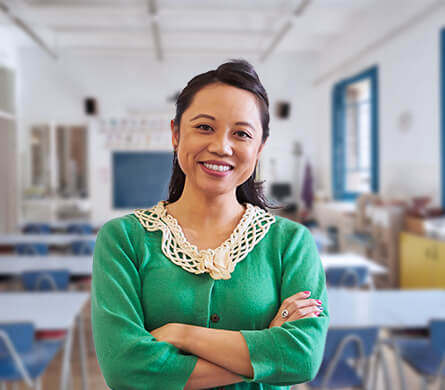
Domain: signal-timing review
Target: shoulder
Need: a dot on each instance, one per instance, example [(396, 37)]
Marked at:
[(286, 229), (124, 227)]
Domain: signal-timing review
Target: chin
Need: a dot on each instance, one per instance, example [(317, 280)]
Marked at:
[(215, 190)]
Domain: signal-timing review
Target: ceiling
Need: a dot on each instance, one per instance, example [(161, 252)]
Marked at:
[(254, 27)]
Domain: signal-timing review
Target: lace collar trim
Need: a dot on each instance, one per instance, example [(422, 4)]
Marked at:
[(219, 262)]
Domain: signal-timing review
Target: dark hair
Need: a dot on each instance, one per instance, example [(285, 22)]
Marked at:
[(240, 74)]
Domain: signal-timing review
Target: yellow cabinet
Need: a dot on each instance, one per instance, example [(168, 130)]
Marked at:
[(422, 262)]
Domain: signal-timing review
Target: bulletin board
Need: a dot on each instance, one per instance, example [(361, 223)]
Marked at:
[(140, 179)]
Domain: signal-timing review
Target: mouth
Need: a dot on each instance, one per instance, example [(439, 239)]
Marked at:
[(217, 167)]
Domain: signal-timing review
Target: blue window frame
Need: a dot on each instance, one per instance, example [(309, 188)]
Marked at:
[(442, 111), (355, 153)]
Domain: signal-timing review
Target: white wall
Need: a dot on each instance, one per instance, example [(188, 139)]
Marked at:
[(132, 81), (409, 82), (7, 49)]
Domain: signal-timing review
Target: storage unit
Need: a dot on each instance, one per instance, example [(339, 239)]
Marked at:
[(422, 262)]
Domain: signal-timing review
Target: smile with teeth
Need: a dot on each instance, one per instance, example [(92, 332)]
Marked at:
[(219, 168)]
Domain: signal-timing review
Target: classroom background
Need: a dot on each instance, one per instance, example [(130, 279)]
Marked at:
[(356, 153)]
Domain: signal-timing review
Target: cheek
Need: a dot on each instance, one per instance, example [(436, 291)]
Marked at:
[(187, 152)]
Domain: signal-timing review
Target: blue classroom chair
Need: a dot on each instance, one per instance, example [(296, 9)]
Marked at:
[(46, 280), (80, 228), (22, 358), (33, 249), (426, 356), (37, 228), (353, 276), (82, 247), (343, 346)]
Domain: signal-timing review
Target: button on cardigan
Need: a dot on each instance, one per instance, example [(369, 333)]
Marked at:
[(136, 289)]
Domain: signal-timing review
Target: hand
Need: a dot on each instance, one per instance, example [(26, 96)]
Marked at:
[(171, 333), (298, 306)]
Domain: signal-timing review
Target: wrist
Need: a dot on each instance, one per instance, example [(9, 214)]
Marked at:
[(185, 336)]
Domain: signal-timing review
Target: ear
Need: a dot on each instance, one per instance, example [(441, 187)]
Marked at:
[(175, 134), (261, 148)]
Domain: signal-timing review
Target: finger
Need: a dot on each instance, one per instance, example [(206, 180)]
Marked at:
[(299, 295), (298, 316), (310, 309), (297, 306)]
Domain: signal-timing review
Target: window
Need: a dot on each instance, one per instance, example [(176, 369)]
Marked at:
[(59, 161), (442, 103), (355, 135)]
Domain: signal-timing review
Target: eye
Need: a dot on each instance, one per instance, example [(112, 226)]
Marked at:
[(204, 127), (243, 134)]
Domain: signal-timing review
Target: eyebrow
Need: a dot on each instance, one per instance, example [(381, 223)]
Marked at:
[(203, 116), (213, 118)]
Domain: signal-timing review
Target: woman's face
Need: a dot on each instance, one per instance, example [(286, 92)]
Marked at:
[(220, 138)]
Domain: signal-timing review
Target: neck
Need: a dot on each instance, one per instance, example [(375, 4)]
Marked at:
[(196, 208)]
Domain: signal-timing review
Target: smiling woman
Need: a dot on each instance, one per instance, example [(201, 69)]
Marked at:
[(207, 289)]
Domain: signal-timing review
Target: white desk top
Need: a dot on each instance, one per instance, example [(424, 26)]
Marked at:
[(385, 308), (350, 259), (50, 239), (15, 265), (48, 311)]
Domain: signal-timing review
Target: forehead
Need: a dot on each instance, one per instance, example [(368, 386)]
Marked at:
[(222, 100)]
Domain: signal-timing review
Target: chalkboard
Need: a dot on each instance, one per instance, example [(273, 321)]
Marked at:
[(140, 179)]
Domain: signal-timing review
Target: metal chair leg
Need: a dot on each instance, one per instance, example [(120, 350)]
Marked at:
[(66, 361), (82, 350)]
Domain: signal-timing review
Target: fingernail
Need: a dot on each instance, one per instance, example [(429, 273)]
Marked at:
[(318, 301), (317, 314), (306, 292), (321, 308)]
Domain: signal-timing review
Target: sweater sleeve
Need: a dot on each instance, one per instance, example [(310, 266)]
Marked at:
[(129, 356), (292, 353)]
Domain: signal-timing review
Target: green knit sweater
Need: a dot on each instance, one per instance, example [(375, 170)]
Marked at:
[(137, 289)]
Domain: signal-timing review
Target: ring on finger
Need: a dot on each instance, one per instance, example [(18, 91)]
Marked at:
[(284, 313)]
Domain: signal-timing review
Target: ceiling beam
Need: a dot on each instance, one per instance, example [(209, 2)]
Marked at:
[(22, 25), (285, 29)]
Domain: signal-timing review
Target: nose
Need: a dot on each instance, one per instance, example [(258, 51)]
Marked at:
[(220, 145)]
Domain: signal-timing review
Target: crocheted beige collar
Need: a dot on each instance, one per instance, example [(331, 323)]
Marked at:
[(219, 262)]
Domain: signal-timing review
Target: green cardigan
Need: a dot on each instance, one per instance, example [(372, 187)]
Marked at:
[(137, 289)]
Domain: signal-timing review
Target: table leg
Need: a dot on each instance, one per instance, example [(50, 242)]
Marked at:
[(66, 361), (83, 355)]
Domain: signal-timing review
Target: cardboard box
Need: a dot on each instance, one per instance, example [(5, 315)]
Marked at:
[(415, 225)]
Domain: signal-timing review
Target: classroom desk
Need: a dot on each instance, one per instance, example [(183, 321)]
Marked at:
[(16, 264), (352, 260), (61, 225), (385, 308), (82, 265), (50, 311), (59, 239)]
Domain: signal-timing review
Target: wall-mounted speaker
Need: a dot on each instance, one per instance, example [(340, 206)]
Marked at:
[(90, 105), (283, 110)]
